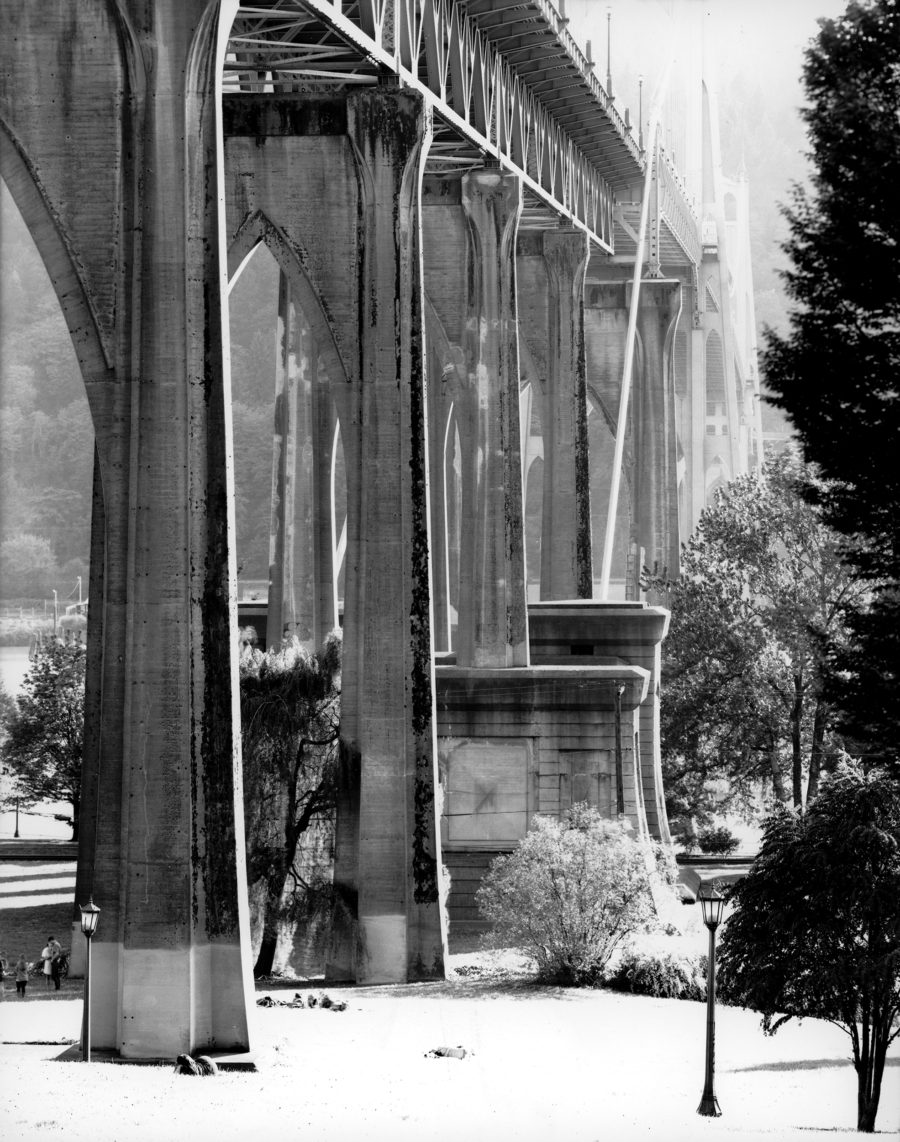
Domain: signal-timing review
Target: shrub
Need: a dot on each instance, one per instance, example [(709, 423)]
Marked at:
[(665, 975), (718, 840), (570, 894)]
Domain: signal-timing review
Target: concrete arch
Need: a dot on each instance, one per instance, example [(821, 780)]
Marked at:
[(258, 228), (57, 255)]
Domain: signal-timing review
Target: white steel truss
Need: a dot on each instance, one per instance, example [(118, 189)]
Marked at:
[(505, 79)]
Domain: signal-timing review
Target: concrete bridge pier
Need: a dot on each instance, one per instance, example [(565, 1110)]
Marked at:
[(651, 456), (120, 187), (493, 618), (356, 261), (656, 476), (551, 268), (302, 599)]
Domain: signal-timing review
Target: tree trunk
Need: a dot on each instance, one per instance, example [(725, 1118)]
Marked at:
[(777, 777), (76, 814), (267, 948), (797, 743), (869, 1072), (820, 720)]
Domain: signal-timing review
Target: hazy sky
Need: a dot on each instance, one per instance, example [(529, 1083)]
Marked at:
[(761, 41)]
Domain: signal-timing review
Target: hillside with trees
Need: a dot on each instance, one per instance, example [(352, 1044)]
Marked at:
[(46, 435)]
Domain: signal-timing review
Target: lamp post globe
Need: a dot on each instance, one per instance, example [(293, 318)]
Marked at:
[(712, 903), (90, 916)]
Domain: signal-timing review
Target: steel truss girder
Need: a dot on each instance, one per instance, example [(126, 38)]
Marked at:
[(437, 48)]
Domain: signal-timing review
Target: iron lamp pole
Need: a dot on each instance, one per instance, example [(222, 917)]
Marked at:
[(712, 902), (90, 914)]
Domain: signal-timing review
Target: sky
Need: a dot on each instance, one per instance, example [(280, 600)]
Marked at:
[(760, 42)]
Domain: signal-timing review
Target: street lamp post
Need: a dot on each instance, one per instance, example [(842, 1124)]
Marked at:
[(90, 914), (712, 902), (641, 113)]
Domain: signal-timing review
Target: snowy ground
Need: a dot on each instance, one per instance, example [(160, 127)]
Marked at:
[(577, 1066)]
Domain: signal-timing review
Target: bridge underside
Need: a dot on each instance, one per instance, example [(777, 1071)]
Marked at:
[(452, 312)]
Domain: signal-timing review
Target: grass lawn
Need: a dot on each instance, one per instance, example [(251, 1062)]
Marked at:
[(36, 901)]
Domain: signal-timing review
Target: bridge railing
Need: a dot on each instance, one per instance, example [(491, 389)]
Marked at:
[(675, 209)]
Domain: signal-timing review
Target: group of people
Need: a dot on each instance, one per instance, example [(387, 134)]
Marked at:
[(52, 960)]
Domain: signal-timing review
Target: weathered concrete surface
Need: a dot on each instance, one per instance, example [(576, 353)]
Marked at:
[(469, 228), (109, 130), (656, 478), (493, 620), (355, 263), (651, 443), (551, 266), (581, 630), (521, 741), (302, 596)]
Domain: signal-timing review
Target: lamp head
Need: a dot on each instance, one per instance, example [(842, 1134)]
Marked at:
[(90, 914), (712, 901)]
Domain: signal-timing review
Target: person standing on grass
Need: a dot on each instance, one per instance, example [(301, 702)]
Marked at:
[(46, 969), (3, 967), (55, 949), (21, 970)]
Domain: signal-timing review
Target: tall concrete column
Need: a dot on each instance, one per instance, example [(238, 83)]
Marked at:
[(606, 324), (357, 255), (182, 951), (387, 719), (300, 571), (493, 617), (656, 476), (128, 170), (438, 411), (552, 266), (288, 356)]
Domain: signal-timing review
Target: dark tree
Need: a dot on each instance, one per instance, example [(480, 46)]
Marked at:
[(290, 703), (761, 592), (44, 730), (835, 371), (815, 927)]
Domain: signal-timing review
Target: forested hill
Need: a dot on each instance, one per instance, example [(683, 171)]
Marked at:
[(46, 436)]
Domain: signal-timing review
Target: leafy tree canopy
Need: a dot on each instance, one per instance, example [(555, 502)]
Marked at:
[(44, 740), (761, 592), (815, 927)]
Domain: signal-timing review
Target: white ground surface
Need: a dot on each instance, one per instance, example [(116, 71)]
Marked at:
[(574, 1066)]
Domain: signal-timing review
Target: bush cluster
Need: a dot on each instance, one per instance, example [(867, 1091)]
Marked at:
[(664, 975), (571, 894), (718, 840)]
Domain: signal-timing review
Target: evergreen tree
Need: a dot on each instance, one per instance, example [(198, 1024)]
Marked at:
[(835, 371)]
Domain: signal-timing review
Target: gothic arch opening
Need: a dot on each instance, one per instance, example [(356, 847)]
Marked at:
[(47, 446), (289, 476)]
